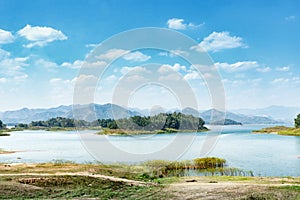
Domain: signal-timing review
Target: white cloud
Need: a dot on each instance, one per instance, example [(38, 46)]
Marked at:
[(265, 69), (40, 35), (290, 18), (21, 77), (112, 54), (296, 80), (238, 66), (45, 63), (75, 65), (91, 45), (13, 67), (289, 82), (137, 69), (133, 78), (4, 54), (111, 78), (193, 75), (94, 65), (3, 80), (280, 80), (283, 69), (136, 56), (168, 68), (178, 24), (178, 52), (85, 79), (174, 53), (163, 53), (170, 77), (61, 91), (217, 41), (6, 37)]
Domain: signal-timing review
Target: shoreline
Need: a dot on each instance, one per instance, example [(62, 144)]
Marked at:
[(279, 130)]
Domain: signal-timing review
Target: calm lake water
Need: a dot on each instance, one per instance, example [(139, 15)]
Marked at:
[(265, 155)]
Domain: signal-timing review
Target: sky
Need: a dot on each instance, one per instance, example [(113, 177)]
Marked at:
[(253, 44)]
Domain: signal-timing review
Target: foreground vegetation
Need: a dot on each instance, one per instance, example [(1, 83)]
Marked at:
[(64, 180)]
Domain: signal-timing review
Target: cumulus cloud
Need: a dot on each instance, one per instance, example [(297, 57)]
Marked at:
[(170, 77), (112, 54), (264, 69), (61, 91), (137, 69), (4, 54), (167, 68), (75, 65), (280, 80), (40, 35), (3, 80), (178, 24), (174, 53), (111, 78), (136, 56), (218, 41), (238, 66), (288, 81), (6, 37), (45, 63), (13, 68), (283, 69), (193, 75)]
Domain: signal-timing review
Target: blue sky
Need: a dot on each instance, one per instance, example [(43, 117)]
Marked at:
[(254, 44)]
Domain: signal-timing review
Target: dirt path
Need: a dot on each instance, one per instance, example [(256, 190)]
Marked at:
[(202, 188), (110, 178)]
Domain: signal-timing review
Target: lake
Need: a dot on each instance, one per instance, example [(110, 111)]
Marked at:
[(264, 154)]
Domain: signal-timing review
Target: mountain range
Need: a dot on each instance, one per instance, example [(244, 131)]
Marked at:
[(270, 115)]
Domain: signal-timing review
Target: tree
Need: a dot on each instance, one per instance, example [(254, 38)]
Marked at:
[(297, 121), (2, 126), (112, 125)]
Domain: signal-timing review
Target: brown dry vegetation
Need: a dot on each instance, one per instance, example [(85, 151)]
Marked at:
[(95, 181)]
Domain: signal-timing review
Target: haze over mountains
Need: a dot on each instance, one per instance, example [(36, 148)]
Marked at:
[(269, 115)]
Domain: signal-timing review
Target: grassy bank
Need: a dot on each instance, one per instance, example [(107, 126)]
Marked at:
[(6, 152), (107, 131), (67, 180), (280, 130), (5, 132)]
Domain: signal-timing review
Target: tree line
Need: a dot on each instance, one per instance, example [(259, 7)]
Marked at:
[(297, 121), (162, 121)]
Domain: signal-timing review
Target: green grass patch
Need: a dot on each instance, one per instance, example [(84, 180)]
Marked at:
[(65, 187), (280, 130), (107, 131)]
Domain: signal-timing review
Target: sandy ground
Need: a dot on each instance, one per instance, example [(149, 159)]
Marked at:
[(202, 188)]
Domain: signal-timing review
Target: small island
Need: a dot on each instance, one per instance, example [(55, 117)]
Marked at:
[(282, 130), (157, 124), (227, 122)]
